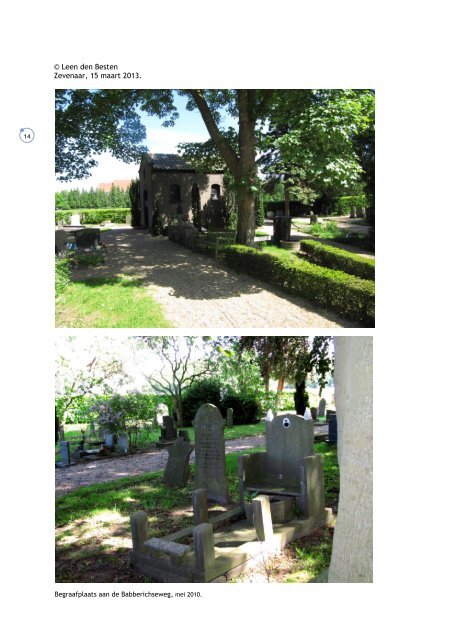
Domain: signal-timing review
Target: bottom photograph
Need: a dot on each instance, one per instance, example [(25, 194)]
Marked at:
[(213, 459)]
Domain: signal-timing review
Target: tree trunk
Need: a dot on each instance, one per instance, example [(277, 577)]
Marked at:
[(57, 427), (286, 190), (245, 232), (353, 540), (177, 407), (299, 398)]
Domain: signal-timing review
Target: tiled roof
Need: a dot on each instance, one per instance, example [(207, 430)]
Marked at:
[(169, 161)]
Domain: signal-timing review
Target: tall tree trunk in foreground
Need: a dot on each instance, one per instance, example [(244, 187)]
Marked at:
[(352, 553)]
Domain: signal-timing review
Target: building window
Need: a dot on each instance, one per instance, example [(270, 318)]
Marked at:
[(175, 193), (215, 192)]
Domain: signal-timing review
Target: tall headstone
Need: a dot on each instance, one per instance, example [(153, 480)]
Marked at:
[(168, 424), (229, 417), (176, 472), (123, 443), (289, 438), (333, 433), (210, 464), (75, 219), (65, 452), (109, 439), (322, 408)]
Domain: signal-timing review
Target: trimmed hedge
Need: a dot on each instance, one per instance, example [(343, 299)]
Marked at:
[(344, 204), (95, 216), (348, 295), (335, 258)]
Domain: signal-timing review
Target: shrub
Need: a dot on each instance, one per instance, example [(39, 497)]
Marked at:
[(345, 204), (348, 295), (335, 258), (97, 216), (245, 407), (94, 216), (62, 274), (134, 195), (201, 391)]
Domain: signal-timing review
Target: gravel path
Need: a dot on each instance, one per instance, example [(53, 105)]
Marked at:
[(86, 474), (197, 291)]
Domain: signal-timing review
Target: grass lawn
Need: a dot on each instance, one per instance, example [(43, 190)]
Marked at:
[(93, 531), (108, 302)]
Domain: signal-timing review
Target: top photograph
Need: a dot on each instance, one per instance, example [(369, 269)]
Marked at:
[(219, 208)]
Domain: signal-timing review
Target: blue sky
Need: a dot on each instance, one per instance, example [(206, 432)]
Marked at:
[(189, 127)]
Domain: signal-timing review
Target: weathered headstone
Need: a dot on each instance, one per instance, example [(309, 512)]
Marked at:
[(289, 438), (109, 439), (75, 219), (184, 434), (322, 408), (229, 417), (314, 412), (168, 423), (65, 452), (123, 443), (210, 464), (176, 472)]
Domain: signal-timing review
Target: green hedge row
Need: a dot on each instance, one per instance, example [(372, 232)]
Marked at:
[(344, 204), (95, 216), (334, 258), (348, 295)]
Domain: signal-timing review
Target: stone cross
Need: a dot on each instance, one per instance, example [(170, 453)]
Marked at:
[(177, 470), (210, 463)]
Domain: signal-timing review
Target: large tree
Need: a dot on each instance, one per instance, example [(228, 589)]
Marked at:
[(352, 554), (292, 358), (182, 361)]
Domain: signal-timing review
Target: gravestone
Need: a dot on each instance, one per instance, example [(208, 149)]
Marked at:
[(61, 239), (229, 417), (333, 433), (322, 408), (282, 228), (177, 470), (289, 438), (184, 434), (109, 439), (161, 411), (75, 220), (65, 452), (210, 464), (123, 443), (168, 423)]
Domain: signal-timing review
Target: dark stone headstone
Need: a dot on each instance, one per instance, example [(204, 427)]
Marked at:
[(177, 470), (289, 438), (282, 228), (229, 417), (333, 433), (169, 428), (65, 452), (184, 434), (210, 469)]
